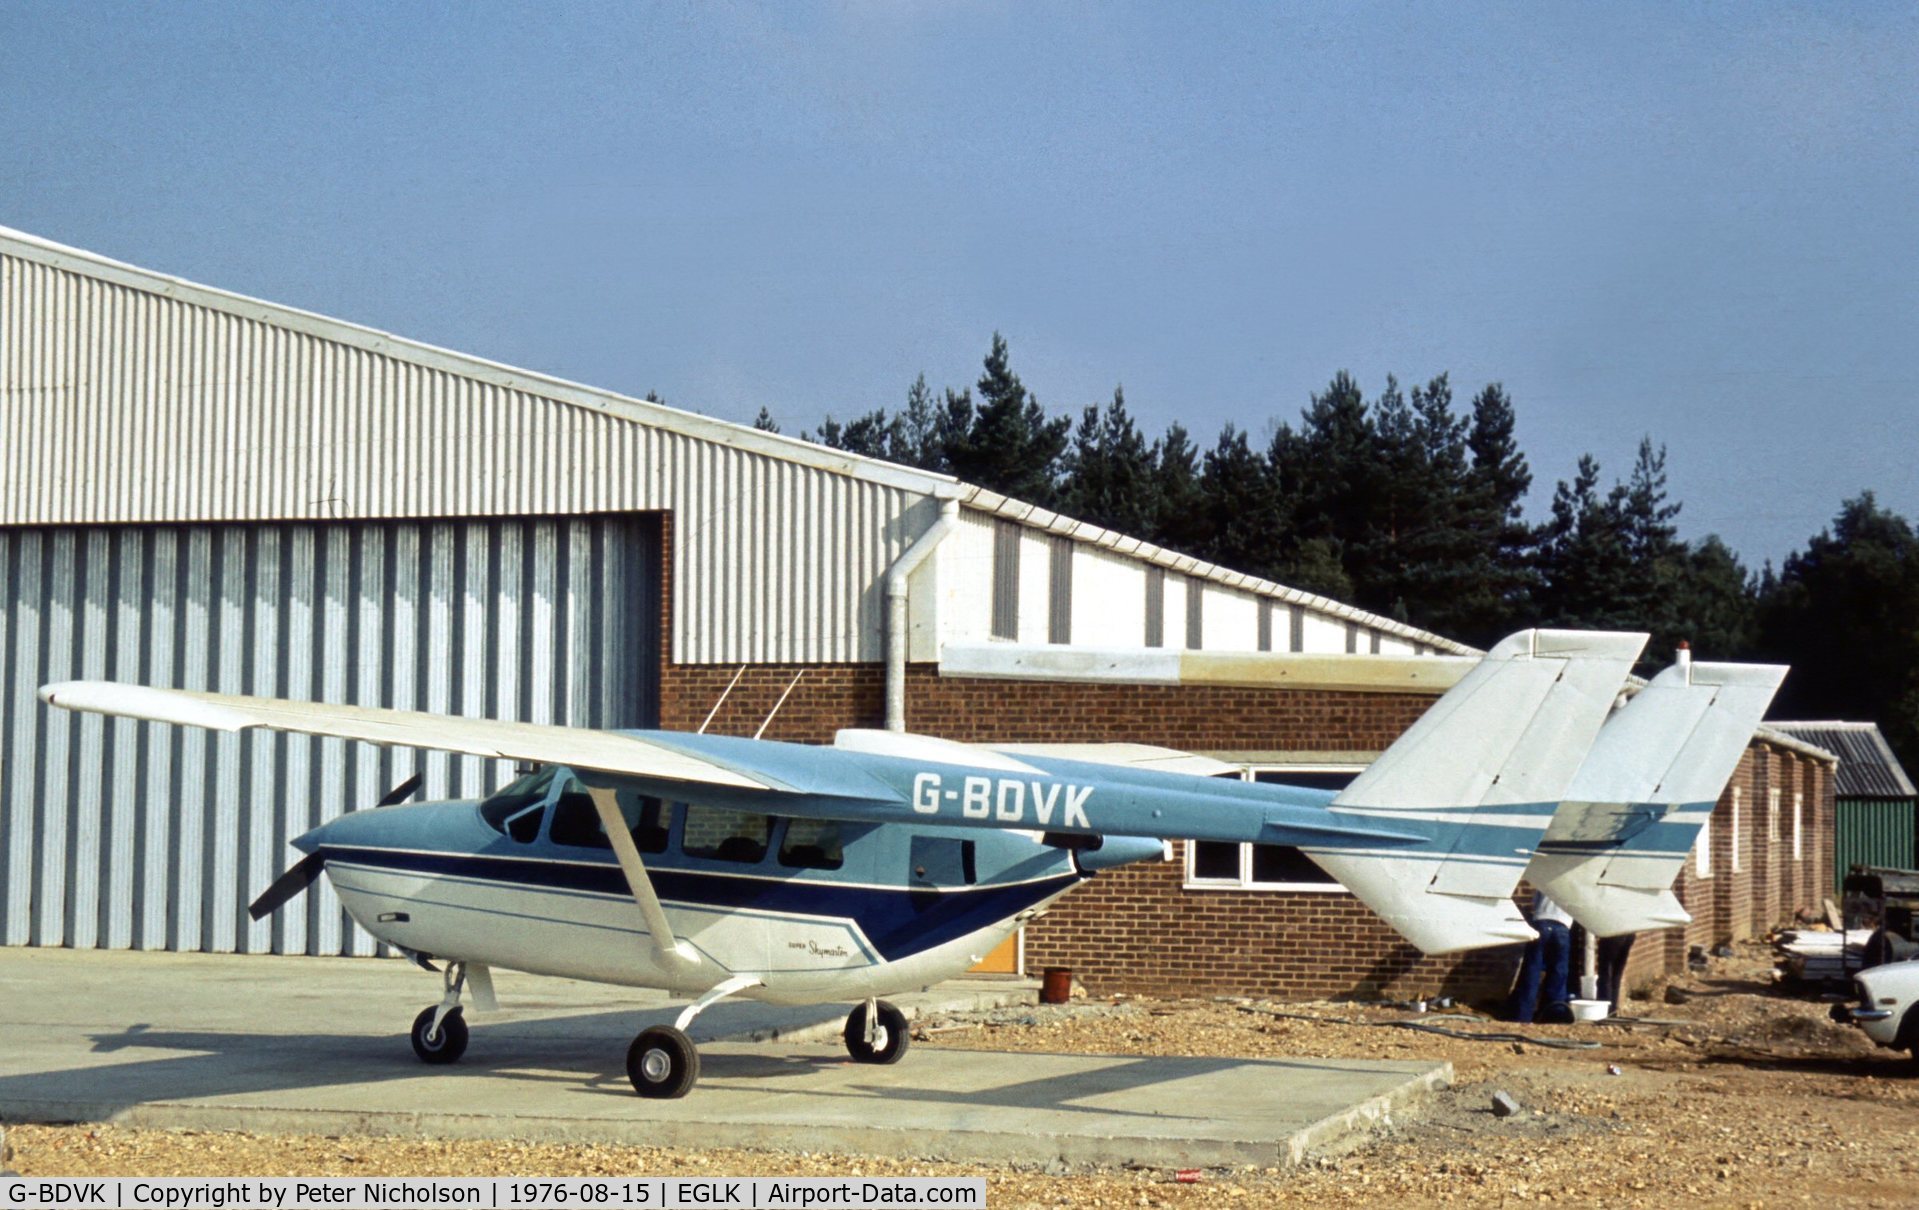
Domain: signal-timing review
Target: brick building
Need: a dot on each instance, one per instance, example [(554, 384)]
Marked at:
[(216, 492)]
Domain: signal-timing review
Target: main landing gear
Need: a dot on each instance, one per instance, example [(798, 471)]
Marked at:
[(876, 1033), (664, 1063)]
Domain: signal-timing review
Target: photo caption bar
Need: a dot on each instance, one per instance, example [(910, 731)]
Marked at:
[(490, 1193)]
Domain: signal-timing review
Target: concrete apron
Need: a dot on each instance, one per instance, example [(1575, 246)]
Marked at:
[(286, 1045)]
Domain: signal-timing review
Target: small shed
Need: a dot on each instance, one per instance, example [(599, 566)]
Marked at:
[(1874, 823)]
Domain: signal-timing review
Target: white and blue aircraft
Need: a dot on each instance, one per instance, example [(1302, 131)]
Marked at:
[(714, 866)]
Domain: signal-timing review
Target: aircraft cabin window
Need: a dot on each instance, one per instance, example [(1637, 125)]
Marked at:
[(812, 844), (724, 835), (516, 809), (576, 821)]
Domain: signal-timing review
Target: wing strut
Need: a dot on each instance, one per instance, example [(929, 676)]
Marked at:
[(671, 952)]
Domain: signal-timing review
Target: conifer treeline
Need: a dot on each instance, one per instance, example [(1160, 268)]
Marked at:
[(1412, 506)]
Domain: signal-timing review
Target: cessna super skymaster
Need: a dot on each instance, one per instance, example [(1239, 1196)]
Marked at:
[(715, 866)]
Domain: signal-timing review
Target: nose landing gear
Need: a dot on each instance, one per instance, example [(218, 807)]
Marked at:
[(439, 1033)]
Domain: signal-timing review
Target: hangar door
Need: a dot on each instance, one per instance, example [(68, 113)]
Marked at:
[(121, 834)]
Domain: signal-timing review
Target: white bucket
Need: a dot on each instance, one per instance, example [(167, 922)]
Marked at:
[(1591, 1010)]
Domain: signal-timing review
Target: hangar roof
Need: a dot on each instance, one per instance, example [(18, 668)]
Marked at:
[(437, 443)]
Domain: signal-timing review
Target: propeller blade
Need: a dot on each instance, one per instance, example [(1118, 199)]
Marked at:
[(298, 878), (400, 793)]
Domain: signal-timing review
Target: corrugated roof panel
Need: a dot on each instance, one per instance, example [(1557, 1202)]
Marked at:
[(1867, 767)]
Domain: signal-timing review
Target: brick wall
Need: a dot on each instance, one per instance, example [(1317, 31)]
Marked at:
[(1138, 929), (1770, 886)]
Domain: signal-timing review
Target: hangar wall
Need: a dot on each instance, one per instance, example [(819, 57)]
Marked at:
[(125, 834)]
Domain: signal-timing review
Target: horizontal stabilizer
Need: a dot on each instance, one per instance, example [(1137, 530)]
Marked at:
[(1480, 773)]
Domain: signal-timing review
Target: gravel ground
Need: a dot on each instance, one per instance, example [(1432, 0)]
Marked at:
[(1749, 1098)]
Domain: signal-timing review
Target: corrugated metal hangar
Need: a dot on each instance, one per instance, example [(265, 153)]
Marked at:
[(206, 491)]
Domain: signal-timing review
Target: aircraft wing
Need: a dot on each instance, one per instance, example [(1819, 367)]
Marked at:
[(532, 742), (1129, 756), (788, 779)]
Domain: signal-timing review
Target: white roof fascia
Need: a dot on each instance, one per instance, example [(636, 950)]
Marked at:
[(993, 503), (1779, 739)]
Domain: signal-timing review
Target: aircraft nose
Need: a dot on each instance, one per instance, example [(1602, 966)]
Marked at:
[(309, 841)]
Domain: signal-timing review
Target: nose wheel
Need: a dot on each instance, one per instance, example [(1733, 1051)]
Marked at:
[(439, 1042), (439, 1033), (876, 1033)]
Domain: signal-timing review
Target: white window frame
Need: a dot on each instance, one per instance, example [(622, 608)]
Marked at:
[(1702, 851), (1798, 825), (1244, 882), (1772, 815), (1738, 866)]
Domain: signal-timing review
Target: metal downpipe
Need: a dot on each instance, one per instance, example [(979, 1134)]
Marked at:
[(896, 599)]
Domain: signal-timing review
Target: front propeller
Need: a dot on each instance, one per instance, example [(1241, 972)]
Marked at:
[(301, 874), (298, 878)]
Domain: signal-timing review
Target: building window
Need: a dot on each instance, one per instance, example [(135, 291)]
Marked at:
[(1296, 628), (1006, 540), (1219, 865), (1156, 607), (1352, 639), (1265, 625), (1059, 612), (1733, 832), (1702, 850), (1195, 614), (1772, 816), (1798, 823)]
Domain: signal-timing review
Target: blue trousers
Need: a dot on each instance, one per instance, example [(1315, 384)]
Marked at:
[(1544, 970)]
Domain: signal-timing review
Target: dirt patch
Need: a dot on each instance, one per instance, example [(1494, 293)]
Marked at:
[(1738, 1094)]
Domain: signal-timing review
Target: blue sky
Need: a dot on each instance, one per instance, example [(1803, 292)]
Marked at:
[(1695, 221)]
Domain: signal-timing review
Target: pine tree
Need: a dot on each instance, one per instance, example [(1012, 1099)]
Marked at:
[(1011, 447), (1714, 601), (1109, 478), (1241, 502), (1842, 613), (873, 435), (1181, 521), (1500, 590), (919, 429), (765, 423), (1585, 558)]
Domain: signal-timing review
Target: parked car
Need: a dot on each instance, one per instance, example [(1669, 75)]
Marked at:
[(1887, 1005)]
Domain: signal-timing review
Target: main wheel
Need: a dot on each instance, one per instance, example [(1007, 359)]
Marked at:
[(889, 1035), (662, 1062), (444, 1046)]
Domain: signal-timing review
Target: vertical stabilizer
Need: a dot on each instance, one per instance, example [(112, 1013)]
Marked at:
[(1647, 788), (1481, 772)]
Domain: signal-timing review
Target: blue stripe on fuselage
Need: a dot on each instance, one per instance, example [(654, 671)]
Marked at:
[(899, 922)]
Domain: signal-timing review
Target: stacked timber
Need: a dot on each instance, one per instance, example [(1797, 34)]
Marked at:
[(1819, 955)]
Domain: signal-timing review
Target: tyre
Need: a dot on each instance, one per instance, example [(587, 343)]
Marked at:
[(447, 1045), (889, 1038), (662, 1063)]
